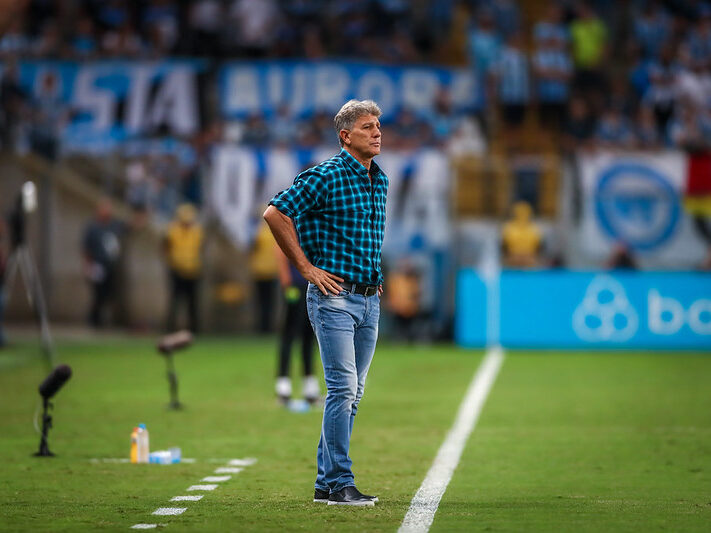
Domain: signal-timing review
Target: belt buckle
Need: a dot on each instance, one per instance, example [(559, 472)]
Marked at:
[(370, 290)]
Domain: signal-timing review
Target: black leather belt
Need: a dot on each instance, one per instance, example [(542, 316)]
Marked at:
[(359, 288)]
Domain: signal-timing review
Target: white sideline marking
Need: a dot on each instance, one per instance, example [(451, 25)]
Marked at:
[(144, 526), (424, 505), (195, 498), (249, 461), (167, 511), (216, 479), (228, 470), (202, 487)]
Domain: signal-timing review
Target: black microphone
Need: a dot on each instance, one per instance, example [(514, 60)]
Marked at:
[(51, 385)]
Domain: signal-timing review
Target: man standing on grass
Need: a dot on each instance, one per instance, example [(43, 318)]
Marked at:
[(330, 224)]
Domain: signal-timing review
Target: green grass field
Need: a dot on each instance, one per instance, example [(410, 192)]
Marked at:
[(566, 441)]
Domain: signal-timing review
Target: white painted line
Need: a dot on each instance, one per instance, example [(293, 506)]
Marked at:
[(202, 487), (195, 498), (249, 461), (424, 505), (144, 526), (216, 479), (228, 470), (189, 460), (167, 511)]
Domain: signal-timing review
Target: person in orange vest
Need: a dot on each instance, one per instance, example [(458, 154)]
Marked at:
[(182, 247), (521, 238)]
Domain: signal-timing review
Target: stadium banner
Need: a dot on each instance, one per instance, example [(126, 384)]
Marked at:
[(245, 179), (637, 199), (103, 103), (571, 309), (307, 87)]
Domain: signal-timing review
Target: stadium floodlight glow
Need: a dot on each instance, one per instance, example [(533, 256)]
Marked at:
[(167, 345), (47, 389)]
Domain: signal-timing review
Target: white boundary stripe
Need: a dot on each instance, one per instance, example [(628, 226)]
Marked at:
[(167, 511), (248, 461), (144, 526), (228, 470), (424, 505), (202, 487), (216, 479), (195, 498)]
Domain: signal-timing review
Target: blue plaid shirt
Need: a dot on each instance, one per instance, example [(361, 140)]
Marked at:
[(339, 216)]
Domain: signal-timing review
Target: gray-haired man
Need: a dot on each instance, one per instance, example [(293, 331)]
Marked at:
[(330, 224)]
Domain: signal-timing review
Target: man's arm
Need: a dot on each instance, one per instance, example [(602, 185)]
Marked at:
[(285, 234)]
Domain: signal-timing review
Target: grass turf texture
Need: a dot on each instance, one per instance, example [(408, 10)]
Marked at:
[(574, 441)]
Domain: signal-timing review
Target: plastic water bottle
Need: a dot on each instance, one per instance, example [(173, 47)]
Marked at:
[(142, 447), (134, 445)]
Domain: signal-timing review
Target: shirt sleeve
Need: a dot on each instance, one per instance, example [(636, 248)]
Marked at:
[(308, 192)]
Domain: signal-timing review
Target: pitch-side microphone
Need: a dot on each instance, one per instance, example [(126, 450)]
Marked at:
[(51, 385), (175, 341)]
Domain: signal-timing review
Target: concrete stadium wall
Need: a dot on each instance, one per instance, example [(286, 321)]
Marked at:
[(55, 231)]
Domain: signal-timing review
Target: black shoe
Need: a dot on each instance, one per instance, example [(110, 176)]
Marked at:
[(350, 496), (320, 496)]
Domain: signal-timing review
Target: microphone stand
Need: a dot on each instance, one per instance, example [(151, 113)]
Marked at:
[(172, 381), (46, 425)]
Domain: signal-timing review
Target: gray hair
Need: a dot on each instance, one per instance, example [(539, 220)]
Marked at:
[(346, 118)]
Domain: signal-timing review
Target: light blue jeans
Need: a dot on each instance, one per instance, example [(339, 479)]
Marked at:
[(346, 328)]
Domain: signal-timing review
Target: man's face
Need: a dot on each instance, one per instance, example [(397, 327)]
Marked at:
[(364, 138)]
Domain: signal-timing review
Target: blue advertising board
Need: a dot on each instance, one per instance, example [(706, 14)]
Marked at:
[(566, 309), (306, 87), (99, 104)]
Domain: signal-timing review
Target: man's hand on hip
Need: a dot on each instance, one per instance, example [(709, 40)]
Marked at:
[(325, 281)]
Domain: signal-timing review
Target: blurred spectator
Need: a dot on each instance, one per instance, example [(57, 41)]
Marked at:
[(122, 42), (49, 42), (692, 80), (441, 118), (553, 68), (661, 93), (648, 137), (254, 24), (690, 128), (652, 28), (699, 39), (265, 273), (14, 43), (484, 43), (295, 325), (521, 238), (614, 131), (513, 86), (13, 106), (403, 300), (205, 19), (621, 258), (101, 247), (48, 117), (507, 16), (112, 14), (84, 43), (182, 247), (139, 187), (589, 36), (256, 130), (160, 22), (282, 127), (580, 125), (407, 131)]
